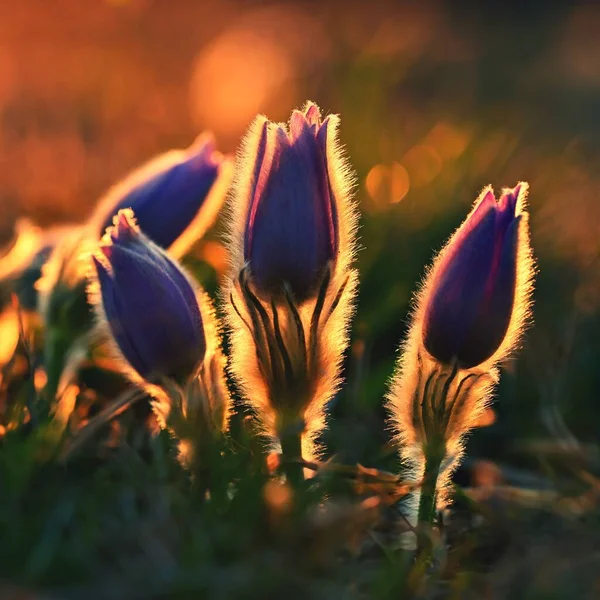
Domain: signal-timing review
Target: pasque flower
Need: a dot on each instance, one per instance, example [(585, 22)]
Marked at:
[(149, 304), (176, 193), (176, 197), (292, 242), (469, 316), (292, 222), (159, 321), (472, 296)]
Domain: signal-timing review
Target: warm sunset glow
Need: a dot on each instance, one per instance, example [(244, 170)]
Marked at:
[(235, 76), (8, 74), (273, 462), (256, 338)]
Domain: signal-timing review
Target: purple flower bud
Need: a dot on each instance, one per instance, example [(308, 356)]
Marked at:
[(167, 193), (150, 305), (472, 293), (292, 223)]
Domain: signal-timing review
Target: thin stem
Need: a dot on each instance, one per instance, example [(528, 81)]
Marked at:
[(291, 450), (119, 405), (434, 454)]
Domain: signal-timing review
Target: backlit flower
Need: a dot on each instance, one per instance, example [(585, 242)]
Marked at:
[(149, 303), (472, 292), (469, 317), (164, 327), (175, 196), (292, 285), (292, 220)]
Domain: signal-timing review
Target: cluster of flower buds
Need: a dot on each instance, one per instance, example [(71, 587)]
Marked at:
[(289, 298), (175, 197)]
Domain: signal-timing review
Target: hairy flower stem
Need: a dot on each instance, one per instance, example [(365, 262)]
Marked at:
[(434, 455), (291, 450)]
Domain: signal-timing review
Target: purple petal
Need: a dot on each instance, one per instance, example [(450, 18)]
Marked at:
[(262, 165), (167, 202), (151, 307), (312, 114), (471, 301), (458, 291), (291, 232), (289, 238), (329, 206), (491, 321)]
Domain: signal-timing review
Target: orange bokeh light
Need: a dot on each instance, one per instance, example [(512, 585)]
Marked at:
[(423, 164), (448, 141), (387, 184), (234, 78), (39, 379)]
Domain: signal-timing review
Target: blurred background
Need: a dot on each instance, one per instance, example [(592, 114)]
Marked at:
[(437, 100)]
